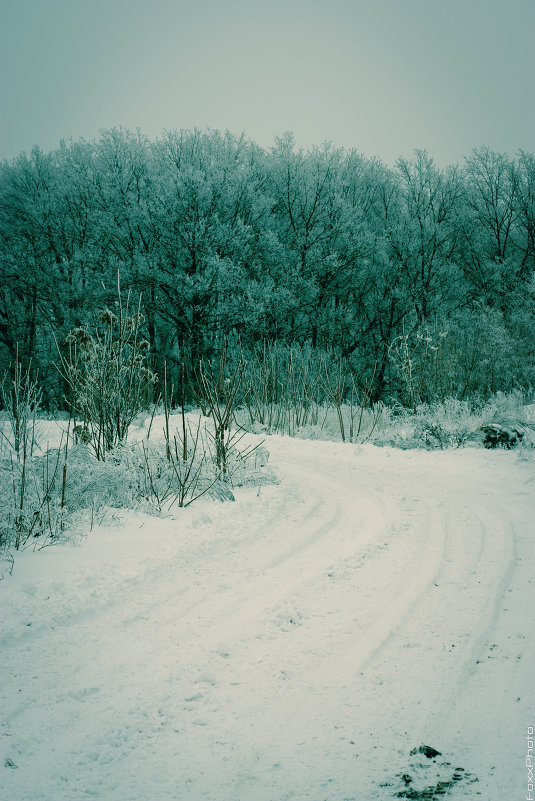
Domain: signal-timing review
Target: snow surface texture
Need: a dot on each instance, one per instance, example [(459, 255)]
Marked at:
[(296, 644)]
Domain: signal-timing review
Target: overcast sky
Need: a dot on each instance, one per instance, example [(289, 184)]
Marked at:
[(382, 76)]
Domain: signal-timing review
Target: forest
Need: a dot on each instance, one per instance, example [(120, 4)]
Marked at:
[(389, 272)]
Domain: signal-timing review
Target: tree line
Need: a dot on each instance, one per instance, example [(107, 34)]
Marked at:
[(389, 269)]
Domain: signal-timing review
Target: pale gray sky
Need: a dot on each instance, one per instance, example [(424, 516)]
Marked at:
[(383, 76)]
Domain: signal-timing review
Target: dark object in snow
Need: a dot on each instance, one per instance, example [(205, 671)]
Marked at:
[(427, 751), (499, 436), (430, 781)]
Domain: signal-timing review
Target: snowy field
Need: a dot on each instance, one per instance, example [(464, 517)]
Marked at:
[(296, 644)]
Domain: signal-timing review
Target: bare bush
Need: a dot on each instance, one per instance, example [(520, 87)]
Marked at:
[(178, 472), (220, 390)]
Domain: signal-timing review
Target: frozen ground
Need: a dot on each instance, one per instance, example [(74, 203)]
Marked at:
[(296, 644)]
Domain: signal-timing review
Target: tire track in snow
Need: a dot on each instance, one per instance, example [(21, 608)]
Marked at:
[(490, 700), (339, 671), (489, 557), (289, 658)]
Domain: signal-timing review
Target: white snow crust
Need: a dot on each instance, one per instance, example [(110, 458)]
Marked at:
[(295, 644)]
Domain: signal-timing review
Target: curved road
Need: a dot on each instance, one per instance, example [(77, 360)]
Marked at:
[(297, 644)]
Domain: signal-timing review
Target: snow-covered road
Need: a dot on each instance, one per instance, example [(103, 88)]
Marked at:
[(296, 644)]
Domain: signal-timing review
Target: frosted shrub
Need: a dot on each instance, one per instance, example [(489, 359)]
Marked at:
[(178, 470), (107, 377), (39, 496), (94, 484), (199, 458), (30, 511), (44, 498), (422, 363), (453, 423), (506, 406), (21, 402), (31, 500)]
